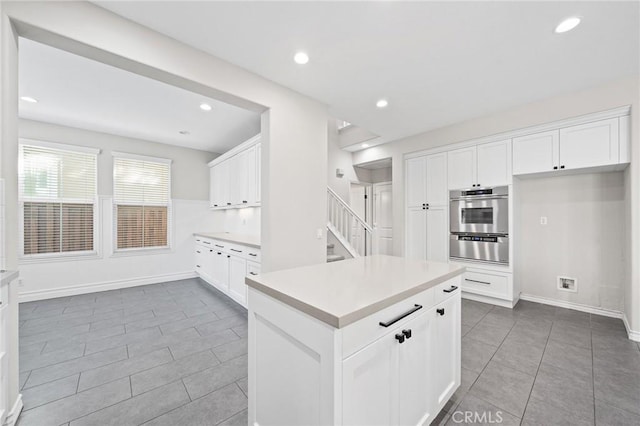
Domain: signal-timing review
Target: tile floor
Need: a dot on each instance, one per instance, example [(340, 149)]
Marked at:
[(540, 365), (165, 354), (175, 354)]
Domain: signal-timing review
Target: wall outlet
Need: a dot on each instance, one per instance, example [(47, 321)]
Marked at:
[(568, 284), (543, 220)]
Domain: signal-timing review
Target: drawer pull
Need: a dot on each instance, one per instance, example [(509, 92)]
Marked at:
[(252, 273), (197, 266), (440, 311), (219, 246), (197, 251), (406, 314), (407, 333), (252, 254), (476, 281), (237, 251), (400, 338), (453, 288), (207, 242)]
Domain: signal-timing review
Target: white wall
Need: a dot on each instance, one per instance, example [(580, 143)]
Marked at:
[(294, 127), (339, 159), (238, 221), (584, 238), (617, 93)]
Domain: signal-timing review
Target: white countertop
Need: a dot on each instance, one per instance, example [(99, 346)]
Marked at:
[(340, 293), (245, 240)]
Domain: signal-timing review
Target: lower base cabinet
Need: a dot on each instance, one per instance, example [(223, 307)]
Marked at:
[(362, 374), (237, 272)]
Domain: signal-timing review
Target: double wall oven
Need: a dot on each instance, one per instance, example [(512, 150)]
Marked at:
[(479, 222)]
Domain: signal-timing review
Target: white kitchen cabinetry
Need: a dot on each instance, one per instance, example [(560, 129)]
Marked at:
[(482, 165), (361, 374), (596, 144), (225, 265), (427, 201), (4, 347), (234, 177)]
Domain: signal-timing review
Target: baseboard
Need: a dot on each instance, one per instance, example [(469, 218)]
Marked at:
[(571, 305), (12, 417), (30, 296), (633, 335), (488, 299)]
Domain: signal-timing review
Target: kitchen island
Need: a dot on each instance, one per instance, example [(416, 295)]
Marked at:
[(367, 341)]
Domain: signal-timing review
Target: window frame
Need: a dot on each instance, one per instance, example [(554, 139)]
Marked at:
[(136, 251), (59, 256)]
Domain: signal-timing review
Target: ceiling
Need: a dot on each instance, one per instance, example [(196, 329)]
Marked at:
[(437, 63), (78, 92), (375, 165)]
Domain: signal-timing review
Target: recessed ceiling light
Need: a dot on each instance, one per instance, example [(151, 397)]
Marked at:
[(568, 24), (29, 99), (382, 103), (365, 145), (205, 107), (301, 58), (184, 132)]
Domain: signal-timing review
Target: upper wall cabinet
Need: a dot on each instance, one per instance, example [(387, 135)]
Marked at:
[(596, 144), (234, 177), (487, 164)]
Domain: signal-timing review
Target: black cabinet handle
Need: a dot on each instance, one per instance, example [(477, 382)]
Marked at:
[(219, 253), (555, 167), (207, 242), (228, 256), (197, 251), (252, 273), (197, 266), (562, 167), (215, 205), (440, 311), (400, 338), (453, 288), (476, 281), (407, 333), (244, 202), (228, 204), (219, 246), (406, 314), (237, 251), (210, 250), (252, 254)]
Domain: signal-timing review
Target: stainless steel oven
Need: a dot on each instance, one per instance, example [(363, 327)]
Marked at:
[(480, 210), (479, 224)]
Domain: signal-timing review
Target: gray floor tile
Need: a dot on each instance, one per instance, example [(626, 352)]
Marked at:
[(569, 358), (540, 414), (241, 331), (240, 419), (231, 350), (32, 349), (609, 340), (564, 390), (243, 384), (221, 324), (124, 368), (571, 335), (121, 320), (144, 346), (90, 336), (214, 378), (183, 324), (68, 368), (499, 318), (618, 388), (81, 404), (600, 322), (467, 379), (530, 334), (481, 412), (476, 354), (27, 339), (139, 409), (209, 410), (123, 339), (155, 321), (617, 359), (43, 394), (172, 371), (573, 317), (535, 310), (199, 344), (24, 375), (488, 334), (504, 387), (519, 356), (30, 362), (441, 419), (606, 415)]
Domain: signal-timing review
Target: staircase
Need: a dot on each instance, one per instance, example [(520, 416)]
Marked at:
[(350, 230)]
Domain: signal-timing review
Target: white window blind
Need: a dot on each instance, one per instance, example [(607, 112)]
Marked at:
[(57, 189), (142, 202)]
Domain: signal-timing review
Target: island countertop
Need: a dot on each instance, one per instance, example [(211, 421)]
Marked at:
[(340, 293), (245, 240)]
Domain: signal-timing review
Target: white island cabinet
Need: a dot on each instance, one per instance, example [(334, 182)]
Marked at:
[(368, 341)]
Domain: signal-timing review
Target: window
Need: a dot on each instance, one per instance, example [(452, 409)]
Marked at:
[(57, 190), (142, 202)]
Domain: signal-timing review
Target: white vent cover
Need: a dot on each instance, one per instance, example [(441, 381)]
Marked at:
[(568, 284)]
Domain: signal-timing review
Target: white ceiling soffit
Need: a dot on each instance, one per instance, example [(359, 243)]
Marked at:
[(78, 92), (375, 165), (437, 63)]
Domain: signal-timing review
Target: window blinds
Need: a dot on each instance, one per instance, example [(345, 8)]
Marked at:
[(57, 190), (142, 199)]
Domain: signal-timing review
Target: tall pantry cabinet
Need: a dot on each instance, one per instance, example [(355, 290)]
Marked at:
[(426, 207)]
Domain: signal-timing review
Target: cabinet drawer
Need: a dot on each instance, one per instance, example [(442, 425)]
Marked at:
[(486, 283), (203, 241), (253, 254), (253, 268), (446, 289), (361, 333)]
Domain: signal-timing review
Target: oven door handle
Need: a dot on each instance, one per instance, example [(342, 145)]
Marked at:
[(480, 197)]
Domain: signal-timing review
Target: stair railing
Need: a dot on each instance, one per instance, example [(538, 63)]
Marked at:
[(351, 230)]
